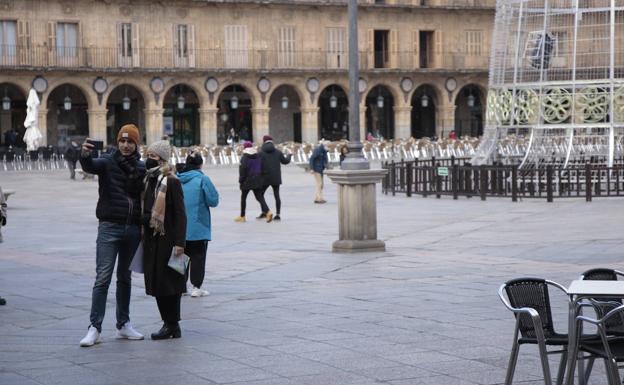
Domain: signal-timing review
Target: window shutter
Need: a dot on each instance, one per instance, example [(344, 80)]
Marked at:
[(394, 48), (439, 48), (416, 48), (23, 33), (120, 45), (370, 48), (191, 45), (51, 43), (136, 48), (176, 52)]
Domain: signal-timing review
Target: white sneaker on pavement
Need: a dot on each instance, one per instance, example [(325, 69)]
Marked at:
[(92, 337), (129, 333), (197, 292)]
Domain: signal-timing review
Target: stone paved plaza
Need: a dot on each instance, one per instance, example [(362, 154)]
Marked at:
[(283, 309)]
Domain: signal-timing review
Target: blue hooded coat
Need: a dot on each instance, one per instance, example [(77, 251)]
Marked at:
[(199, 195)]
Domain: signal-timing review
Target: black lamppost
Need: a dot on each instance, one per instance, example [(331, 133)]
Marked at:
[(355, 159)]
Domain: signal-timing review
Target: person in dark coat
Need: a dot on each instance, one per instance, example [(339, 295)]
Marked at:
[(164, 233), (272, 160), (250, 179), (318, 163), (344, 150), (120, 180), (72, 154)]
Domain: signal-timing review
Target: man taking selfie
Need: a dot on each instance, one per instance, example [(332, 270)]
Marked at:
[(120, 178)]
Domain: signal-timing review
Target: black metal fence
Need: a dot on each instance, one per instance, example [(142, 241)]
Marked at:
[(456, 177)]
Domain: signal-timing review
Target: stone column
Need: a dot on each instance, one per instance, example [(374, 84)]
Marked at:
[(154, 124), (446, 120), (402, 122), (97, 124), (42, 124), (357, 210), (309, 124), (363, 126), (260, 119), (208, 125)]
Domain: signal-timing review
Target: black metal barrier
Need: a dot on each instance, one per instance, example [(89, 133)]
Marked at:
[(456, 177)]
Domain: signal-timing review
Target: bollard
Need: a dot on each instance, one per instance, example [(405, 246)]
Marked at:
[(549, 181)]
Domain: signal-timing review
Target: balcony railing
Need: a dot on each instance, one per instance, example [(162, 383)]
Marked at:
[(412, 3), (105, 59)]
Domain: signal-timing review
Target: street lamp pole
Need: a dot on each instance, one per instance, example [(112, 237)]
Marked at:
[(356, 193), (355, 158)]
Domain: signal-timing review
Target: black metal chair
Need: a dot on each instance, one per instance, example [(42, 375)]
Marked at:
[(529, 300), (614, 326), (610, 349)]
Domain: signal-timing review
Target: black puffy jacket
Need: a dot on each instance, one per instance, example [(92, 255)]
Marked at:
[(272, 160), (119, 202)]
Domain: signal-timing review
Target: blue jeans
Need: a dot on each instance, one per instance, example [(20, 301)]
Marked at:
[(113, 239)]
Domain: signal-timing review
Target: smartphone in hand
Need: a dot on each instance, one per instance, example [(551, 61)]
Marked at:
[(97, 144)]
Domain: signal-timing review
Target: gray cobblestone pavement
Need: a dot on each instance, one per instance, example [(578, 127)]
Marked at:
[(283, 309)]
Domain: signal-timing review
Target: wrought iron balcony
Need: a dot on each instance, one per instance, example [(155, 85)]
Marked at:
[(224, 59)]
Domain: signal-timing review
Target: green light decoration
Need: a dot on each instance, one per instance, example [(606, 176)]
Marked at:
[(592, 105), (527, 107), (618, 105), (499, 106), (556, 105)]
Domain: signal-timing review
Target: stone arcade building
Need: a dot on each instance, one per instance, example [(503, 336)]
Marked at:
[(194, 69)]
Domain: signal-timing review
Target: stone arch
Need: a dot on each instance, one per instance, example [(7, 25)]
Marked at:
[(469, 114), (117, 115), (14, 117), (300, 92), (424, 118), (80, 83), (169, 85), (256, 97), (65, 125), (138, 84), (380, 118), (333, 122), (395, 92), (235, 123), (181, 125), (285, 123)]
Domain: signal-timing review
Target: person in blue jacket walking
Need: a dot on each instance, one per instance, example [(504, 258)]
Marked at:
[(318, 163), (199, 195)]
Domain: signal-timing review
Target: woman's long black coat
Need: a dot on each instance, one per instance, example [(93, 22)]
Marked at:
[(160, 279)]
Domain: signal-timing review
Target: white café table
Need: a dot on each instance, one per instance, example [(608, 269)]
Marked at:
[(578, 291)]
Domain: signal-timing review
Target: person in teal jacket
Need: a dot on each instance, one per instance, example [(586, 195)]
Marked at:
[(199, 195)]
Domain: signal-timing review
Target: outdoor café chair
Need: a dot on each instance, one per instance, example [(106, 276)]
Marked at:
[(610, 349), (529, 300), (614, 326)]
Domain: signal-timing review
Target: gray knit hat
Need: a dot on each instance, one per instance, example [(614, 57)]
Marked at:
[(161, 148)]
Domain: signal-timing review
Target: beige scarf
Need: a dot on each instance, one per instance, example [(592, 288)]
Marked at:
[(157, 220)]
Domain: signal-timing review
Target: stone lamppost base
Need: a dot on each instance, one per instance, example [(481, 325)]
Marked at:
[(357, 210)]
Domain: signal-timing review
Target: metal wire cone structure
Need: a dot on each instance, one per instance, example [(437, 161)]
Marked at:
[(556, 82)]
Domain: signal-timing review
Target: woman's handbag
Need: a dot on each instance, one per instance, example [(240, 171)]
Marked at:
[(137, 261), (178, 263)]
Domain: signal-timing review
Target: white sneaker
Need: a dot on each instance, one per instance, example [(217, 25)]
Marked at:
[(129, 333), (197, 292), (92, 337)]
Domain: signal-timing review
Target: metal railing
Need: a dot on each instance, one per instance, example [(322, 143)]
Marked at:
[(111, 58), (456, 177)]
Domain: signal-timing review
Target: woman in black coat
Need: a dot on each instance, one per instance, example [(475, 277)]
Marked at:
[(164, 233), (250, 179)]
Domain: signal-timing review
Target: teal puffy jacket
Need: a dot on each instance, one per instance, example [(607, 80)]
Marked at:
[(199, 195)]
